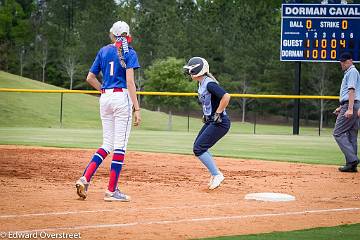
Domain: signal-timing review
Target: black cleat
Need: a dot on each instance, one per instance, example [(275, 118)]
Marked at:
[(349, 167)]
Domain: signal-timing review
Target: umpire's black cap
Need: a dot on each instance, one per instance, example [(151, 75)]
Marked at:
[(345, 56)]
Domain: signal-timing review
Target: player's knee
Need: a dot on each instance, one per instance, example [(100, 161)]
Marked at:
[(198, 150), (107, 147), (119, 147)]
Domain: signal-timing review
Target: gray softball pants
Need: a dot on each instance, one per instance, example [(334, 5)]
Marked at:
[(346, 132)]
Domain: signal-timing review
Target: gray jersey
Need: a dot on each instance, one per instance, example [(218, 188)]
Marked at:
[(351, 80), (205, 95)]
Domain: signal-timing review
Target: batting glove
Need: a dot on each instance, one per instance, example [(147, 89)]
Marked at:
[(217, 118)]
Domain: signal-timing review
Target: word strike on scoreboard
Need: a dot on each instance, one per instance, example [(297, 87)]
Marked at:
[(319, 32)]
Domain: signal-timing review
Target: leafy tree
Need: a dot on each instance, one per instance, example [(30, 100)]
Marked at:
[(240, 40), (15, 35), (166, 75)]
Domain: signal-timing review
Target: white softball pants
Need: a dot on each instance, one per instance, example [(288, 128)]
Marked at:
[(116, 118)]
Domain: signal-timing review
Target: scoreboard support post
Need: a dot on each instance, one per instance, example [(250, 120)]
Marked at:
[(296, 114)]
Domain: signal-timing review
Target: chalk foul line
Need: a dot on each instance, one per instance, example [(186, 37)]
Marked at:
[(189, 220)]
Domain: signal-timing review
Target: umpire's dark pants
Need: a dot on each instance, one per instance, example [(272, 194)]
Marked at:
[(209, 134), (346, 132)]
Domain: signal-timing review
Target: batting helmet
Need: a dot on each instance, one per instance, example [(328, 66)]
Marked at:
[(196, 67), (119, 28)]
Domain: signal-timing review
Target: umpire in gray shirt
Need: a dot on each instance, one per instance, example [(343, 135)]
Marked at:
[(346, 126)]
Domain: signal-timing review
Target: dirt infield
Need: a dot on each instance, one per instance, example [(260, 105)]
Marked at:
[(169, 196)]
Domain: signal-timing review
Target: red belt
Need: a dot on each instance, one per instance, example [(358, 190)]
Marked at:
[(114, 90)]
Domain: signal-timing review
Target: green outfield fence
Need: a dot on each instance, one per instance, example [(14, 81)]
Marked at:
[(173, 94)]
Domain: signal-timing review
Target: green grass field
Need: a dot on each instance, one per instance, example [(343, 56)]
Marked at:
[(306, 149), (33, 119), (343, 232)]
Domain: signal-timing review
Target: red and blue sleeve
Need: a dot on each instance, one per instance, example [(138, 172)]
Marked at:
[(96, 66), (131, 60)]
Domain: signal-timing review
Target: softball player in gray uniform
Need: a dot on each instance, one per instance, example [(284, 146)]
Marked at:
[(214, 100), (346, 126)]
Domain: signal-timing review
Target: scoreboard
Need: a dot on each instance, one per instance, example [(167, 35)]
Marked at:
[(319, 32)]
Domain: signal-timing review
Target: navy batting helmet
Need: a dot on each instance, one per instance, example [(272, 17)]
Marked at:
[(196, 67)]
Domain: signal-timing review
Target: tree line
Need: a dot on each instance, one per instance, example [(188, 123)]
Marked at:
[(56, 42)]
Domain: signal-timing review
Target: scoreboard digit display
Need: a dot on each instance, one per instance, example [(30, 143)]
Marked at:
[(319, 32)]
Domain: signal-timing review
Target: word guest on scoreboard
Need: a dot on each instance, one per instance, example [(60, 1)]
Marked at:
[(319, 32)]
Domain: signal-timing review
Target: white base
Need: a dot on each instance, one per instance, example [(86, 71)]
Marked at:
[(270, 197)]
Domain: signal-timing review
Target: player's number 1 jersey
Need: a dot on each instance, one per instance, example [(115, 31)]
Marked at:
[(107, 61)]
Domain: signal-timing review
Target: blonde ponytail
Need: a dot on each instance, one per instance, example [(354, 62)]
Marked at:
[(212, 77), (121, 57), (121, 44)]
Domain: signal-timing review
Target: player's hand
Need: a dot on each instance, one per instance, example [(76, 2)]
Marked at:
[(203, 119), (337, 111), (217, 118), (349, 113), (137, 118)]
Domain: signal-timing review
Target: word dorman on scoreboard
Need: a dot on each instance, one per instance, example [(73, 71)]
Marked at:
[(319, 32)]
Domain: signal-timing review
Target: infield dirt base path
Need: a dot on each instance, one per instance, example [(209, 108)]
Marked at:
[(169, 194)]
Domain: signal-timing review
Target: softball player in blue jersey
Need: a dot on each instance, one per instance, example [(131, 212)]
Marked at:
[(214, 100), (118, 101)]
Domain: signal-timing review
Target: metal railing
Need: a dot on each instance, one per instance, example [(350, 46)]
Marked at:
[(234, 95), (237, 95)]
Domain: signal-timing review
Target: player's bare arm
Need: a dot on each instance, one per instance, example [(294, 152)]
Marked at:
[(223, 103), (132, 92), (350, 110), (92, 80)]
